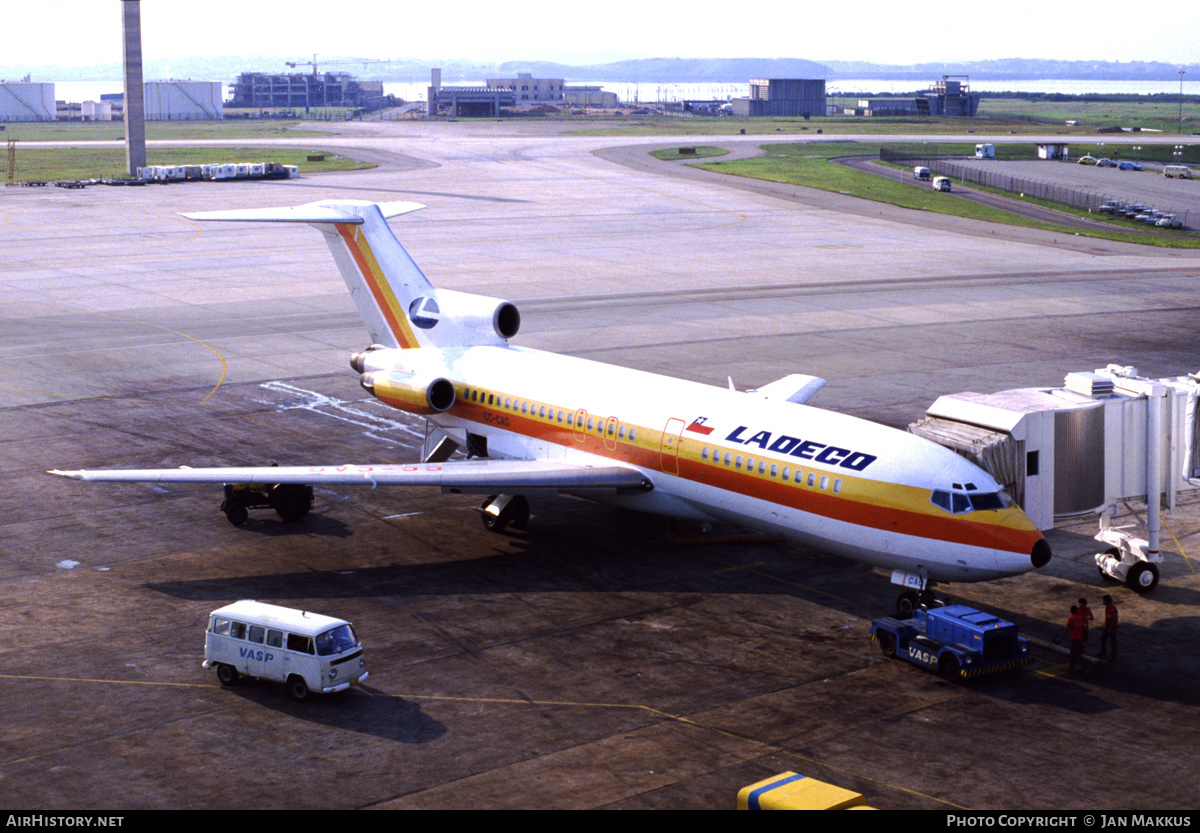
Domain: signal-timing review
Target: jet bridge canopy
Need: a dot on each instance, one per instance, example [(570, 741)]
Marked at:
[(1076, 449)]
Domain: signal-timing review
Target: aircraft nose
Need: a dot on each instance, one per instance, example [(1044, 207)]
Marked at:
[(1041, 553)]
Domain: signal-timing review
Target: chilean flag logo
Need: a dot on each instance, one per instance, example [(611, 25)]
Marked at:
[(698, 426)]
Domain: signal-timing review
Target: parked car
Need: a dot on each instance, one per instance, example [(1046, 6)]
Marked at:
[(1105, 163), (1087, 160), (1132, 211), (1169, 221), (1112, 207), (1129, 166)]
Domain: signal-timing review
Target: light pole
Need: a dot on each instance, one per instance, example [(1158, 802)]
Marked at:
[(1180, 102)]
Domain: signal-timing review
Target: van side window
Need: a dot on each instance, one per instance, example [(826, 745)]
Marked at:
[(300, 644), (274, 639), (237, 630), (257, 633), (220, 626)]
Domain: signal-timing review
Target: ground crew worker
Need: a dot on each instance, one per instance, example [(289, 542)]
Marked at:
[(1076, 628), (1108, 636), (1088, 618)]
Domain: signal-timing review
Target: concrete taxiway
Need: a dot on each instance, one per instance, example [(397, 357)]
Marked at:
[(601, 659)]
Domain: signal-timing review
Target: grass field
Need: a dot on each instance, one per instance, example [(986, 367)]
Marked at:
[(808, 165), (96, 131), (696, 152), (66, 163)]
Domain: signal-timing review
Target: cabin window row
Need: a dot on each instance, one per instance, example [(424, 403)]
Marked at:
[(771, 469), (595, 425)]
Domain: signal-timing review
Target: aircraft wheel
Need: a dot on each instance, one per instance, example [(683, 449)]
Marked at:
[(297, 688), (887, 644), (519, 508), (1142, 577), (291, 500), (493, 522), (226, 674), (906, 603)]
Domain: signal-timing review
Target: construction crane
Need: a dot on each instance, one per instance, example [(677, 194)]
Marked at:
[(338, 61)]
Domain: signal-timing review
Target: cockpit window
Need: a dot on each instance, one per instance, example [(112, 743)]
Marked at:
[(958, 502)]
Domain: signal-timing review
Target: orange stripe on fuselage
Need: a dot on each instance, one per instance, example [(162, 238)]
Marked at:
[(391, 307), (854, 505)]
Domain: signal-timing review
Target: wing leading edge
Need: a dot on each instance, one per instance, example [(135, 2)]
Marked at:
[(468, 477)]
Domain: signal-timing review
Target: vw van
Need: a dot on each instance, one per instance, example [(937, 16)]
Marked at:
[(306, 651)]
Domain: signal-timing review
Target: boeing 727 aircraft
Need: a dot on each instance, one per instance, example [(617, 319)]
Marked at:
[(536, 423)]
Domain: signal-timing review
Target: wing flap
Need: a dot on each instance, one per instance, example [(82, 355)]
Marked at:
[(470, 476)]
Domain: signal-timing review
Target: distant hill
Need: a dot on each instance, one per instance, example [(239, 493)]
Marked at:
[(642, 70)]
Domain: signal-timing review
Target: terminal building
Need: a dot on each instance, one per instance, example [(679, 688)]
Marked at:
[(531, 92)]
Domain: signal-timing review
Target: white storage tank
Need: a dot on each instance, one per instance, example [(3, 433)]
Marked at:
[(27, 101)]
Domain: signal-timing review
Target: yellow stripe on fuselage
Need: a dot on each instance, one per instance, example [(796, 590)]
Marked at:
[(891, 507)]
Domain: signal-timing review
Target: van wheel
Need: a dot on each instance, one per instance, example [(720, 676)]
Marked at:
[(226, 674), (297, 688)]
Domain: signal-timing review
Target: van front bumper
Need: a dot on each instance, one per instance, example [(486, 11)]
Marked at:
[(343, 686)]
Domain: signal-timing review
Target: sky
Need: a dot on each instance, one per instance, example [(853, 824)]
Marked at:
[(84, 32)]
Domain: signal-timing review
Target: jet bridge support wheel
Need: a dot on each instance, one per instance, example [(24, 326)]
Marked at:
[(1142, 577)]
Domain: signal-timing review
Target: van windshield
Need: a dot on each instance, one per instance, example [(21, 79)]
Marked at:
[(335, 641)]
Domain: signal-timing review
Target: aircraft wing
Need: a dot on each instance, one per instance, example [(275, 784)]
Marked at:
[(469, 477), (797, 387)]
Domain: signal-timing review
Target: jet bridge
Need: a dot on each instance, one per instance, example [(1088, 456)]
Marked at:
[(1083, 449)]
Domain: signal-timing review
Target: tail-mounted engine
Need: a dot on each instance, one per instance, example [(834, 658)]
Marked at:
[(405, 379), (413, 392), (460, 319)]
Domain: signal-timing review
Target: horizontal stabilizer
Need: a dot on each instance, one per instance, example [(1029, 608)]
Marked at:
[(471, 476), (313, 212), (797, 387)]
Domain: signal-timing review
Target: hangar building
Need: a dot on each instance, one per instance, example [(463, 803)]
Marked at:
[(782, 97), (183, 100)]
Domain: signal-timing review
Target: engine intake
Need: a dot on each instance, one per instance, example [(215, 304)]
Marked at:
[(415, 393)]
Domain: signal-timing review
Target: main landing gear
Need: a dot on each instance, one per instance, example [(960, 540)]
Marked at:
[(290, 500), (502, 511)]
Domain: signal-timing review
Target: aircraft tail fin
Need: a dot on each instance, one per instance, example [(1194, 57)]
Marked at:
[(398, 304)]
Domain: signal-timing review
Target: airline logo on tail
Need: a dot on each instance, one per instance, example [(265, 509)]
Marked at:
[(424, 312)]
